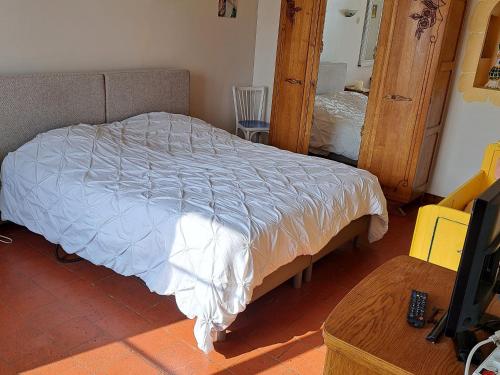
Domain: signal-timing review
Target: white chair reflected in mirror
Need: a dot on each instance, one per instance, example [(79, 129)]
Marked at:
[(249, 106)]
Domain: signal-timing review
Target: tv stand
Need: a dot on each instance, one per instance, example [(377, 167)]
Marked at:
[(367, 332), (464, 342)]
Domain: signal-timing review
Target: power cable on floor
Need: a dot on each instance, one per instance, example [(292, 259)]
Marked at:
[(5, 239)]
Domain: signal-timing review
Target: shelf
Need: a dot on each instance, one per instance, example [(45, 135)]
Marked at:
[(489, 51)]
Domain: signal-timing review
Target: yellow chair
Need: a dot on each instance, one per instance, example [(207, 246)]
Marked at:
[(440, 230)]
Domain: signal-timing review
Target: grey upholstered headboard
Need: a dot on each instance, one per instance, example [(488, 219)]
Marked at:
[(33, 103), (331, 77)]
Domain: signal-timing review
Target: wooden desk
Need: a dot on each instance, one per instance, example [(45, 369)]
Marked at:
[(367, 332)]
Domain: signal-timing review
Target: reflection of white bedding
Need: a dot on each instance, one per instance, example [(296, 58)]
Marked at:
[(337, 123), (188, 208)]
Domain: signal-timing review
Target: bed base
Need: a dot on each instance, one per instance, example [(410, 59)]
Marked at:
[(301, 268)]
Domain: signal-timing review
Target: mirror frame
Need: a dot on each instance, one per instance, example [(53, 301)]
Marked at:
[(362, 61)]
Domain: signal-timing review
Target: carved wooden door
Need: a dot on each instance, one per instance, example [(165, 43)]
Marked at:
[(415, 58), (297, 62)]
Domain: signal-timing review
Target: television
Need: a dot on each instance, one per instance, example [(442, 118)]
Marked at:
[(477, 280)]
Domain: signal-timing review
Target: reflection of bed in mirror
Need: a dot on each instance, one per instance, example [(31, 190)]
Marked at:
[(338, 116)]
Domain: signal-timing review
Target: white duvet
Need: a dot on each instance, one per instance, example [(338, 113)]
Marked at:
[(337, 123), (190, 209)]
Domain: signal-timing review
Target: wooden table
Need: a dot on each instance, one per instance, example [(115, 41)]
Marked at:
[(367, 332)]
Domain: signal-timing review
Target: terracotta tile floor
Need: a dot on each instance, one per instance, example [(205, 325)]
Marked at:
[(82, 319)]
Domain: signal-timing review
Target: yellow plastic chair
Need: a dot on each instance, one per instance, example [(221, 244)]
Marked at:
[(440, 230)]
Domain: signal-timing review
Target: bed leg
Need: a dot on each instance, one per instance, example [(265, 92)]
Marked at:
[(221, 336), (361, 241), (297, 281), (355, 242), (308, 273)]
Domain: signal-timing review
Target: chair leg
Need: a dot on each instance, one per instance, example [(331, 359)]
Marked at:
[(250, 135), (297, 281), (308, 274), (221, 336)]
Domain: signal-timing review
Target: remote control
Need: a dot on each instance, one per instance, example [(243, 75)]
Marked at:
[(416, 310)]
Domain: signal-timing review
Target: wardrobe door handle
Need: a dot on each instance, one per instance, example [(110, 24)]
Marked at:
[(398, 98), (293, 81)]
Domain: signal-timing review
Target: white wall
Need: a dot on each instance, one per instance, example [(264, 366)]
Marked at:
[(468, 129), (265, 47), (89, 35), (342, 38)]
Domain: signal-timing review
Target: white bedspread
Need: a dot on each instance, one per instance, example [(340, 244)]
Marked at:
[(187, 207), (337, 123)]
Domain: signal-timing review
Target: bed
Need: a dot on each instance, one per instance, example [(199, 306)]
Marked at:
[(339, 115), (152, 192)]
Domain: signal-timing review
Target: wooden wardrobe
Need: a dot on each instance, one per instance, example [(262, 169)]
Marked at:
[(411, 79)]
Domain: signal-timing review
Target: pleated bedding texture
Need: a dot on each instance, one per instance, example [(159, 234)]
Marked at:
[(189, 208)]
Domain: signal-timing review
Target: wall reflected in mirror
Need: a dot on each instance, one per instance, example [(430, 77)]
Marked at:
[(371, 28), (344, 79)]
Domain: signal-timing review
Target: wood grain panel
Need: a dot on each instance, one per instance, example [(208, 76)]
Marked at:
[(439, 96), (436, 115), (407, 68), (409, 71), (368, 327), (427, 151), (453, 30), (296, 73)]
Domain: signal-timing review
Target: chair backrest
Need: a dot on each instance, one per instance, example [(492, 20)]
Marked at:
[(249, 103)]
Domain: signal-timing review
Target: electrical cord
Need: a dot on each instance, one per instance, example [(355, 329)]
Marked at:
[(5, 239), (490, 326), (492, 339)]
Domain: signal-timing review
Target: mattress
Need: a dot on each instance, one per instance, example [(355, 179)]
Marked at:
[(337, 123), (189, 208)]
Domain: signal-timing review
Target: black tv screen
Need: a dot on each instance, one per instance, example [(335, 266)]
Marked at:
[(477, 277)]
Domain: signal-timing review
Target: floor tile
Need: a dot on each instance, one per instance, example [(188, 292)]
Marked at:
[(83, 319), (102, 358), (130, 291), (166, 351), (123, 323), (64, 367), (74, 333), (133, 364), (6, 369), (164, 313), (87, 271), (26, 298)]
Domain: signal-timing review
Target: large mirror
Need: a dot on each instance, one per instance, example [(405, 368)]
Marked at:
[(344, 80), (369, 40)]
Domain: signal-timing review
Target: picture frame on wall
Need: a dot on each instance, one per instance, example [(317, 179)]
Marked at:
[(228, 8)]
